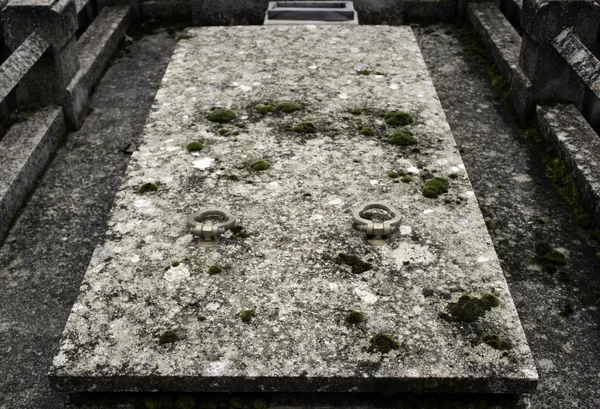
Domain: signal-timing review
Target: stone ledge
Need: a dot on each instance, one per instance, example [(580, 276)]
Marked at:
[(95, 47), (501, 39), (575, 143), (24, 153)]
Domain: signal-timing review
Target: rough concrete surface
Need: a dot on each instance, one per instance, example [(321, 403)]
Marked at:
[(558, 309), (286, 271), (45, 255), (506, 174)]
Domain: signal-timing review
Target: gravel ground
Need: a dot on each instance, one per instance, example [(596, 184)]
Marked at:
[(507, 174), (47, 252)]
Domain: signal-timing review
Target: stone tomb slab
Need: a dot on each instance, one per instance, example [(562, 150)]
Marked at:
[(151, 275)]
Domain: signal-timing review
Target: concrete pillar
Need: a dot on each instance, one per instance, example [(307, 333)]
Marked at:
[(552, 80), (56, 22)]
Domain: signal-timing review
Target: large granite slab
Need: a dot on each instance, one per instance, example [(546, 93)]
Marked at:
[(298, 218)]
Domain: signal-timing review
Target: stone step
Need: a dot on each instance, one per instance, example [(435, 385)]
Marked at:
[(24, 152), (94, 49), (296, 299)]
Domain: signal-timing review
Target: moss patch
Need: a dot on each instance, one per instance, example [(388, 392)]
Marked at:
[(236, 402), (435, 187), (175, 263), (247, 315), (356, 264), (393, 174), (469, 309), (383, 343), (397, 118), (364, 72), (265, 109), (168, 337), (239, 232), (260, 404), (287, 107), (221, 115), (453, 175), (148, 187), (355, 317), (490, 224), (302, 127), (406, 179), (194, 146), (556, 257), (184, 37), (367, 131), (402, 138), (496, 342), (215, 269), (261, 165)]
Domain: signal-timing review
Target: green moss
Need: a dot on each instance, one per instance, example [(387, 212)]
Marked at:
[(214, 269), (355, 111), (397, 118), (194, 146), (287, 107), (221, 115), (185, 402), (453, 175), (235, 133), (247, 315), (584, 220), (598, 255), (564, 276), (148, 187), (364, 72), (236, 402), (302, 127), (469, 309), (208, 404), (383, 343), (566, 310), (357, 265), (367, 131), (260, 404), (261, 165), (233, 178), (175, 263), (406, 179), (265, 109), (239, 232), (496, 342), (201, 318), (540, 220), (223, 131), (379, 73), (489, 223), (435, 187), (184, 37), (556, 257), (158, 402), (532, 135), (393, 174), (402, 137), (168, 337), (355, 317)]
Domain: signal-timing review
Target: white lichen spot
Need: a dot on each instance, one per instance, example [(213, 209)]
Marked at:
[(482, 259), (354, 50), (142, 203), (374, 182), (427, 211), (175, 274), (203, 163), (404, 230), (462, 222), (470, 193), (343, 96), (217, 368), (312, 67), (442, 162), (413, 169), (213, 306), (336, 202), (245, 88), (316, 216), (244, 117), (172, 148), (394, 86), (135, 259), (366, 296), (454, 169)]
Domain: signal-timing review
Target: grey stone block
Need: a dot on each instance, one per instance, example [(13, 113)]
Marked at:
[(133, 4), (545, 19), (429, 10), (95, 47), (501, 39), (521, 96), (20, 62), (24, 153), (175, 10), (54, 20), (578, 145)]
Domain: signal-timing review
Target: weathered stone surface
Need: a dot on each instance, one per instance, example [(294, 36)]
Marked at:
[(240, 12), (501, 39), (95, 48), (54, 20), (429, 10), (286, 270), (180, 10), (578, 146), (20, 62), (24, 153), (545, 19)]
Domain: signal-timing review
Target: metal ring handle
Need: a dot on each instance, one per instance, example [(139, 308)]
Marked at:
[(372, 228), (212, 230)]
